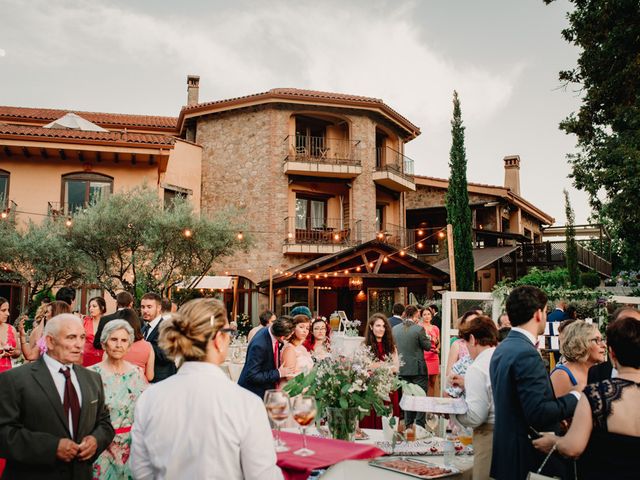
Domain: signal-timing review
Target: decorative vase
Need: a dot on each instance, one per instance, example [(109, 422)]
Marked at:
[(342, 422)]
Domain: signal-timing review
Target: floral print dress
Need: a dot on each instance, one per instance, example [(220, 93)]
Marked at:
[(121, 392)]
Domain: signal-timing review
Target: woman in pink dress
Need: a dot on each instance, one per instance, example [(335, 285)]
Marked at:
[(431, 357), (141, 352), (9, 347), (294, 354), (97, 308)]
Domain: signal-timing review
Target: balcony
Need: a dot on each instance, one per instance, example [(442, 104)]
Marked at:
[(321, 157), (393, 170), (307, 236)]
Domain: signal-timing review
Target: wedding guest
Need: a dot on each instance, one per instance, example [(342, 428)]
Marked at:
[(9, 347), (141, 352), (151, 308), (217, 429), (481, 336), (123, 383), (123, 300), (437, 321), (67, 295), (582, 348), (432, 356), (503, 333), (318, 342), (605, 431), (97, 308), (266, 318), (301, 310), (294, 354), (397, 310), (459, 358), (503, 320), (37, 344)]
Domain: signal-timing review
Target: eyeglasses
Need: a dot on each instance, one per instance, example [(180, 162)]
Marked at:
[(233, 333), (599, 341)]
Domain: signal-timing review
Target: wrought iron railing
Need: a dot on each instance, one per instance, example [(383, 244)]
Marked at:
[(388, 159), (303, 148), (329, 231)]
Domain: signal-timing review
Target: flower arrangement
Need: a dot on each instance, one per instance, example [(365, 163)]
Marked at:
[(359, 382), (351, 327)]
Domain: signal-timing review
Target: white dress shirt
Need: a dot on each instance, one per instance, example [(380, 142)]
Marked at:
[(479, 398), (199, 424), (54, 367), (153, 324)]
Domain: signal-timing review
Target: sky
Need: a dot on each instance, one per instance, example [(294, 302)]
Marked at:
[(502, 56)]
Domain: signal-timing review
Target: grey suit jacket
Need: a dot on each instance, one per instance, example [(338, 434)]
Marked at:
[(32, 422), (412, 342)]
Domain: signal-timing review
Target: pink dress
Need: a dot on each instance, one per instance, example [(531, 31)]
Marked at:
[(431, 357), (138, 354), (5, 362), (91, 355)]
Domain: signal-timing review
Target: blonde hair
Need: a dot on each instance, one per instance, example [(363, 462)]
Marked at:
[(576, 340), (186, 333)]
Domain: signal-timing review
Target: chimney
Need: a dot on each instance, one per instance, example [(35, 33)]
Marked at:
[(193, 89), (512, 173)]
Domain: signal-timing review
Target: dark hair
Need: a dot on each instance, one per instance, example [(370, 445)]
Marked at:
[(410, 311), (58, 307), (298, 319), (3, 301), (265, 316), (469, 313), (434, 308), (388, 344), (152, 296), (483, 330), (565, 323), (398, 309), (503, 333), (571, 312), (124, 300), (310, 341), (132, 318), (282, 326), (623, 312), (165, 304), (66, 294), (523, 302), (102, 305), (623, 337)]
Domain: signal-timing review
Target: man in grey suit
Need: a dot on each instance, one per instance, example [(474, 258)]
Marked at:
[(412, 342), (53, 419)]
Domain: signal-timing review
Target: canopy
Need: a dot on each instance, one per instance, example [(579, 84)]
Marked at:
[(481, 257)]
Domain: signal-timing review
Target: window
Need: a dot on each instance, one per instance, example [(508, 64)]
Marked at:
[(310, 213), (4, 189), (379, 218), (83, 189)]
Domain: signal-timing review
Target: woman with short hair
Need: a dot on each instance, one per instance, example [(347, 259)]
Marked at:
[(123, 383), (216, 428)]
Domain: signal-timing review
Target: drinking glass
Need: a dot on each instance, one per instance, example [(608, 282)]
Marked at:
[(304, 412), (278, 408), (432, 422)]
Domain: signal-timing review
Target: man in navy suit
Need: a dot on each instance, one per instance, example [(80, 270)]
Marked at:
[(396, 318), (522, 392), (262, 369), (558, 314)]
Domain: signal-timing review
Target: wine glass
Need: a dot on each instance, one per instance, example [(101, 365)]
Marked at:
[(432, 421), (277, 404), (304, 412)]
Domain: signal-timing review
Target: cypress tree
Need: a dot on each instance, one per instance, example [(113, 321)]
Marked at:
[(572, 246), (458, 210)]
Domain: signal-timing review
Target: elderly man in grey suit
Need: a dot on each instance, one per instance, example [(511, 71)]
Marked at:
[(412, 342), (53, 419)]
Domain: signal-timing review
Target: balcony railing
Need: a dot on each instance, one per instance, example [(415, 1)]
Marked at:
[(330, 231), (302, 148), (389, 159)]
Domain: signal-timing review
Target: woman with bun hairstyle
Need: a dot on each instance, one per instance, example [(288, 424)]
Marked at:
[(198, 423)]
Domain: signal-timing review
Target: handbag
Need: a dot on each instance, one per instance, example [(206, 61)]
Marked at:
[(539, 476)]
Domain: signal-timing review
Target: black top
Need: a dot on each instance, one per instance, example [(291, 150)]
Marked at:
[(608, 454)]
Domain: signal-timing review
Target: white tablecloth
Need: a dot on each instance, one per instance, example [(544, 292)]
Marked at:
[(232, 369)]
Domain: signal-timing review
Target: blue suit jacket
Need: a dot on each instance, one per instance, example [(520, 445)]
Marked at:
[(260, 372), (556, 315), (523, 397)]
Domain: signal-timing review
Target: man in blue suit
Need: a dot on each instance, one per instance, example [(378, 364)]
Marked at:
[(262, 369), (522, 392)]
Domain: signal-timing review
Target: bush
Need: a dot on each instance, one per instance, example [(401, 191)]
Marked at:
[(590, 279), (544, 278)]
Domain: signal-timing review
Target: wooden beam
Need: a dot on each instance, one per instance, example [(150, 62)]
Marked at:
[(99, 159), (133, 159), (116, 159), (25, 152), (63, 154), (152, 159), (379, 263), (7, 151), (44, 153), (366, 262), (81, 156)]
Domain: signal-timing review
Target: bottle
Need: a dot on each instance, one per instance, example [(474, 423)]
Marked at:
[(449, 449)]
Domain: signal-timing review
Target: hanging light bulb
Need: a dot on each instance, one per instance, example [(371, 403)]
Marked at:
[(187, 233), (239, 236)]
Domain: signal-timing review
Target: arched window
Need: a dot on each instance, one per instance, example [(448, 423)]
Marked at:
[(79, 190), (4, 189)]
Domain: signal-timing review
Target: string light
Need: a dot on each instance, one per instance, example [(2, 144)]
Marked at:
[(240, 236), (4, 215), (187, 233), (420, 232), (402, 253), (69, 222), (419, 245)]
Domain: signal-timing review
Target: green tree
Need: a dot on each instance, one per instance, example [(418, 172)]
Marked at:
[(458, 210), (570, 240), (607, 125), (132, 243)]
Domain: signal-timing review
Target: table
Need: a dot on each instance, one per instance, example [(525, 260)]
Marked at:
[(360, 469), (233, 370)]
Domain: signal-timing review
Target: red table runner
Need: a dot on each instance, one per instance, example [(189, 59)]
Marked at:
[(328, 452)]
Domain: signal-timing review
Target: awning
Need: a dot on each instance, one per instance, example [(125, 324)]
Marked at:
[(482, 257), (211, 282)]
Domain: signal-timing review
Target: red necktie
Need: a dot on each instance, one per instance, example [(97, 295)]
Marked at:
[(276, 356), (71, 402)]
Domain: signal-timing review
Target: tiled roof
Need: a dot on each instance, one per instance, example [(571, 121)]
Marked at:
[(79, 136), (308, 95), (117, 120)]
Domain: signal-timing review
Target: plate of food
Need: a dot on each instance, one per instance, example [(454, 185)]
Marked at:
[(414, 467)]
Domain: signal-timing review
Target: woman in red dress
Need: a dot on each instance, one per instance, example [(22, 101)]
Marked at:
[(9, 347), (432, 356), (379, 339), (97, 308)]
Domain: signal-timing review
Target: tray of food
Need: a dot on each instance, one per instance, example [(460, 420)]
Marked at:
[(414, 467), (430, 447)]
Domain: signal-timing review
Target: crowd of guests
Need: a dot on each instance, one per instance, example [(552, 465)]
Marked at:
[(129, 396)]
